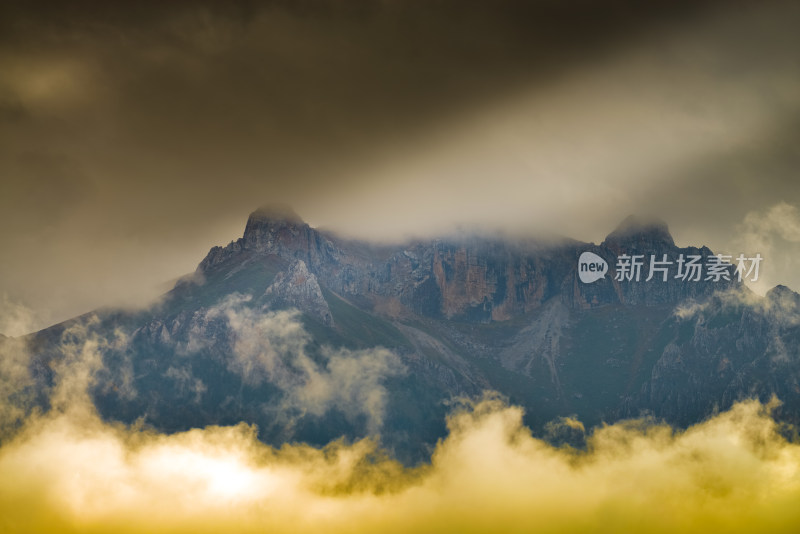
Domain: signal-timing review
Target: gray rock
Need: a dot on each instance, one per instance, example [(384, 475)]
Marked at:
[(297, 287)]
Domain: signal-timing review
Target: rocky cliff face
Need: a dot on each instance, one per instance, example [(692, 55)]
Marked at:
[(470, 279), (298, 288), (275, 230)]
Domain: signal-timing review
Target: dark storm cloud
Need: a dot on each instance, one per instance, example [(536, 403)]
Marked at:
[(134, 136), (285, 78)]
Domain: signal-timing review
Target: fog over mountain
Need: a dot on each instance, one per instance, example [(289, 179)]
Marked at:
[(132, 138), (366, 383), (313, 337), (399, 266)]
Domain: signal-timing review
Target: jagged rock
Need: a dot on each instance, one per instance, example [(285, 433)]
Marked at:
[(299, 288), (472, 279), (539, 340), (275, 230)]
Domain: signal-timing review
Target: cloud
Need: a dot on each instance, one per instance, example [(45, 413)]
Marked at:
[(263, 345), (185, 381), (16, 383), (782, 305), (79, 363), (778, 314), (16, 319), (730, 297), (271, 346), (75, 366), (774, 232), (735, 472), (781, 220), (352, 382), (66, 470)]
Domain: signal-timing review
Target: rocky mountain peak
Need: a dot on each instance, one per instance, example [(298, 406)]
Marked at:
[(270, 224), (780, 291), (640, 230), (271, 217), (275, 229), (783, 300), (275, 212)]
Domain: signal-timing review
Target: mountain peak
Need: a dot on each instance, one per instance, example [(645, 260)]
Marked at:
[(639, 228), (275, 212), (267, 219), (782, 293), (277, 229)]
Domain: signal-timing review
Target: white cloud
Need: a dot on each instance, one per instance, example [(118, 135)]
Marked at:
[(271, 346), (774, 233)]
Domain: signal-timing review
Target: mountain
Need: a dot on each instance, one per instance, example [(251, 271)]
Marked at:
[(312, 336)]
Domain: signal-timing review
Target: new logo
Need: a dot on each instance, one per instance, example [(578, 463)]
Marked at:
[(591, 267)]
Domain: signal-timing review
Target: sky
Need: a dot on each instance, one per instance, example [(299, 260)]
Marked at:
[(135, 137)]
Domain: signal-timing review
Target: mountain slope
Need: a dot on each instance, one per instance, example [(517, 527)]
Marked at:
[(313, 337)]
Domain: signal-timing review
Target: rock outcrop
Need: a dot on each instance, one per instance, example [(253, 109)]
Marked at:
[(299, 288)]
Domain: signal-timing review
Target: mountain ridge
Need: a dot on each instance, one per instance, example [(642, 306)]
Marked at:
[(286, 326), (480, 278)]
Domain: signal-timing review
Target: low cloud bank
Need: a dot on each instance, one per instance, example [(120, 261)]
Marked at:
[(68, 471)]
